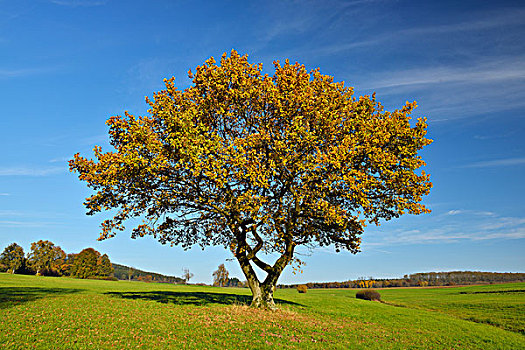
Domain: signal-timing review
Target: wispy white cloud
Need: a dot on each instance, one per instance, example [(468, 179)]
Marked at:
[(19, 216), (5, 194), (9, 223), (451, 227), (518, 233), (470, 212), (503, 223), (7, 16), (28, 219), (444, 236), (503, 19), (15, 73), (96, 139), (495, 70), (9, 213), (77, 3), (452, 92), (60, 159), (311, 17), (27, 171), (506, 17), (496, 163)]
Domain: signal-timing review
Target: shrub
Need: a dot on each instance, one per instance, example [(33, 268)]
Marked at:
[(302, 288), (368, 294)]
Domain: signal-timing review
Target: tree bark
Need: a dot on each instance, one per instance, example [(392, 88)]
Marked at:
[(263, 292), (263, 297)]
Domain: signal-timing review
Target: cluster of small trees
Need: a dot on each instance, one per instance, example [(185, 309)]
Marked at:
[(46, 258), (221, 278), (88, 264), (450, 278)]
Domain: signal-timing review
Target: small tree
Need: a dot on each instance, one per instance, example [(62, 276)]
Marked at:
[(104, 267), (220, 277), (45, 258), (259, 164), (12, 258), (187, 275)]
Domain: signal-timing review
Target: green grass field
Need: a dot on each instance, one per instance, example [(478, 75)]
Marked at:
[(64, 313)]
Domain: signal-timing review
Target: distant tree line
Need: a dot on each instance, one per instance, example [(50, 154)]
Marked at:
[(48, 259), (123, 272), (423, 279), (465, 277)]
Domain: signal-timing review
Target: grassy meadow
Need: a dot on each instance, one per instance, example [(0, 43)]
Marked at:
[(65, 313)]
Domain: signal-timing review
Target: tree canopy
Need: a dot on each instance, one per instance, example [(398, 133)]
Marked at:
[(258, 163), (46, 258), (220, 276), (12, 258), (89, 263)]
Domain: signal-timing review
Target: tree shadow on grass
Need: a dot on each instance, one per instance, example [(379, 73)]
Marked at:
[(12, 296), (193, 298)]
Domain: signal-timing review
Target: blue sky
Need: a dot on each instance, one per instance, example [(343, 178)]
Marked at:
[(68, 65)]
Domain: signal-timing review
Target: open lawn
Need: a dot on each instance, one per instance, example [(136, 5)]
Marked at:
[(65, 313)]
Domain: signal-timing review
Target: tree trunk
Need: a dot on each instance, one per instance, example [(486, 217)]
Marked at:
[(262, 292), (262, 297)]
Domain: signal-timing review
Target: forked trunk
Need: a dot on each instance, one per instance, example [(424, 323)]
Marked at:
[(262, 297), (262, 292)]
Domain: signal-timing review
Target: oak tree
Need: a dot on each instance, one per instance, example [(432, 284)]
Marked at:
[(258, 163), (46, 258), (12, 258)]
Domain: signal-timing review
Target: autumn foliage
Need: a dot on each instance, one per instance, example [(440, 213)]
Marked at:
[(302, 288), (45, 258), (259, 164), (220, 276), (89, 264), (12, 258)]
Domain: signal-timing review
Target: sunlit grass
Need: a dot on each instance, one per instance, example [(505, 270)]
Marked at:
[(63, 313), (502, 306)]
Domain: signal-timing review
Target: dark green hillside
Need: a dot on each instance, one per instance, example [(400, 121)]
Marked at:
[(123, 272)]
